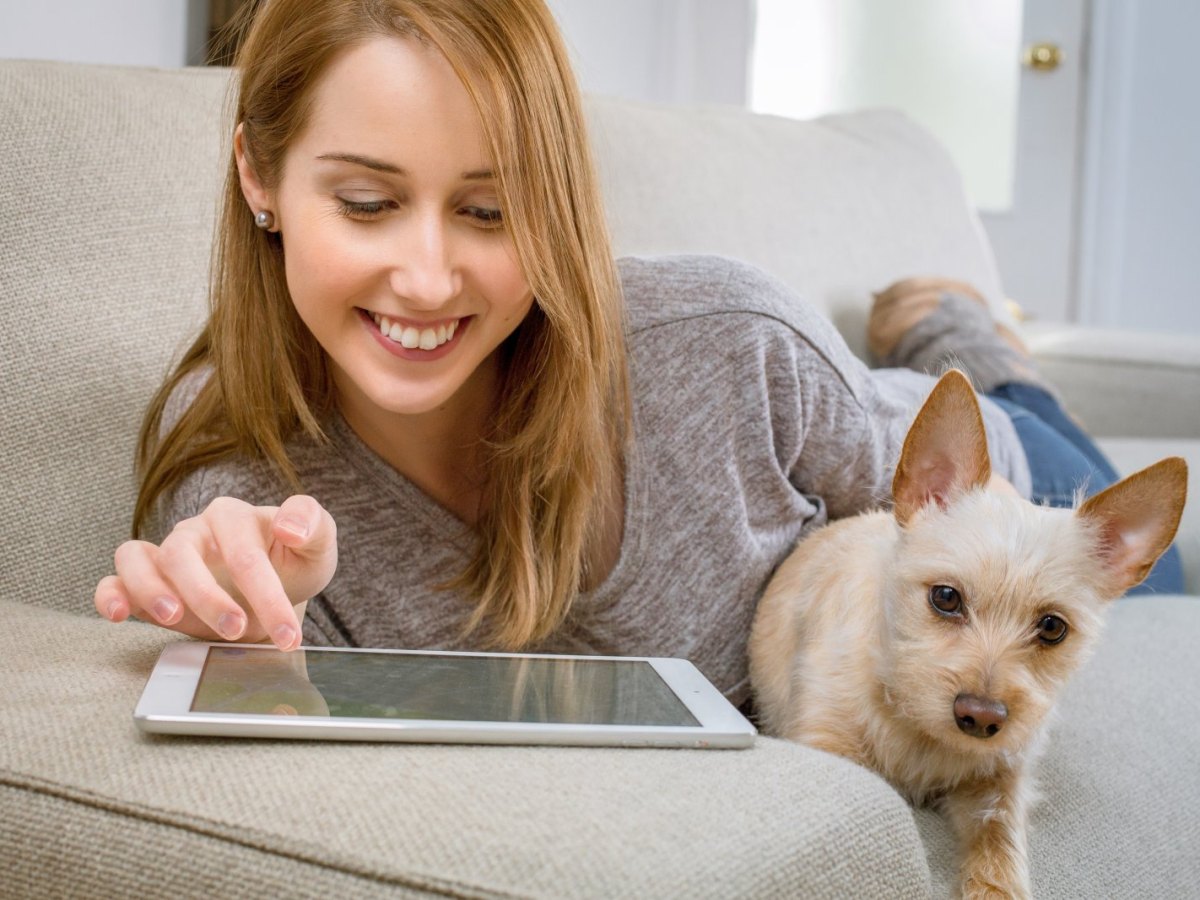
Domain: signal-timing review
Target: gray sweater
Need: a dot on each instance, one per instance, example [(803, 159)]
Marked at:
[(752, 424)]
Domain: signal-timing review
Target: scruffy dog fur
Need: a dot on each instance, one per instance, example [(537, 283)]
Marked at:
[(928, 643)]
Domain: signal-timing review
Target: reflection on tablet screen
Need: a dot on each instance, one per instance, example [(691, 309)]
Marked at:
[(263, 681)]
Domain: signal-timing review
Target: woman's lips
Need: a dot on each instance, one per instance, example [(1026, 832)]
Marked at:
[(408, 340)]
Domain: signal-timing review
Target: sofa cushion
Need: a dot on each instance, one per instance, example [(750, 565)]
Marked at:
[(89, 805)]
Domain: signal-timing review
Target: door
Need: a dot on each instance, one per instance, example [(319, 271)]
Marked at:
[(1139, 244), (1034, 238)]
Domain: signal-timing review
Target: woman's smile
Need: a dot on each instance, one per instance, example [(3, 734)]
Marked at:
[(413, 340)]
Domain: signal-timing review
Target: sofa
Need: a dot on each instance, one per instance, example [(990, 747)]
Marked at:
[(108, 185)]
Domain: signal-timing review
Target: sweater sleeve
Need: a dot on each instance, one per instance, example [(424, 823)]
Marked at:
[(840, 426), (847, 432)]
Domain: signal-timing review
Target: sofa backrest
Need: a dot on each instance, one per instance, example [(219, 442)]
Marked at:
[(108, 186), (109, 180), (837, 207)]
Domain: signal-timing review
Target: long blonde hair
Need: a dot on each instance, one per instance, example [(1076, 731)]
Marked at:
[(563, 415)]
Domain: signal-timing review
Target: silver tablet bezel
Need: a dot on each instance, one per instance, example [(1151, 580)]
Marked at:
[(165, 707)]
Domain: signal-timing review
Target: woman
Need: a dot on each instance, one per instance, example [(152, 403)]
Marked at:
[(418, 332)]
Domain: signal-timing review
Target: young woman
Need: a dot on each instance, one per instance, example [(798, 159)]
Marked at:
[(418, 332)]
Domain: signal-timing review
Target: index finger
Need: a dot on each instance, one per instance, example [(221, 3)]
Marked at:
[(243, 550)]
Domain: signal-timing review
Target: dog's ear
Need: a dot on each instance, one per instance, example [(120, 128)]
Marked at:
[(945, 451), (1137, 519)]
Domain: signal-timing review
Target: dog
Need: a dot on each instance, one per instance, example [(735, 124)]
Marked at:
[(928, 643)]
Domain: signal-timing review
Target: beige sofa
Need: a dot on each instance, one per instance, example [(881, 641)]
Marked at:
[(108, 179)]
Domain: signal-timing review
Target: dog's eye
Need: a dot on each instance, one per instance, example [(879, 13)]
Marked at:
[(1051, 630), (946, 600)]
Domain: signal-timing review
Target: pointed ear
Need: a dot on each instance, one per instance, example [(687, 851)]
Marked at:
[(945, 452), (1137, 518)]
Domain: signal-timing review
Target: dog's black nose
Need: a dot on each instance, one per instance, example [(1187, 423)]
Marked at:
[(979, 717)]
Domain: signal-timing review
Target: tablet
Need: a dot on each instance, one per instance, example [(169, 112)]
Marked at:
[(248, 690)]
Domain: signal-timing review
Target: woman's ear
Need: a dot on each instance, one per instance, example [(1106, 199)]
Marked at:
[(258, 198)]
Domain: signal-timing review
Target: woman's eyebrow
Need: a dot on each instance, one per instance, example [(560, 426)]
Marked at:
[(378, 165), (373, 164)]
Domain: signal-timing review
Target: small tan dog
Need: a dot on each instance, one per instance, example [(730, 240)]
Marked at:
[(929, 643)]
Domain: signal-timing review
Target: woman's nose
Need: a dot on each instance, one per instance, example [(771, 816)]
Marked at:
[(425, 273)]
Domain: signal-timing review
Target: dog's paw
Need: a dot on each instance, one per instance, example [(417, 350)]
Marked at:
[(977, 886)]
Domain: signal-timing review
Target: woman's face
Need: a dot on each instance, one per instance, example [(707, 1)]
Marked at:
[(397, 258)]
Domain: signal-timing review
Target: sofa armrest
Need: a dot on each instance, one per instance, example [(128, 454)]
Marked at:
[(1122, 383)]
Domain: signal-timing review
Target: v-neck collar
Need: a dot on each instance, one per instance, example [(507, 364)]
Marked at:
[(393, 484)]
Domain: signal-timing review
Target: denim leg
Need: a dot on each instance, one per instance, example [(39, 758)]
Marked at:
[(1063, 459), (1043, 405), (1059, 468)]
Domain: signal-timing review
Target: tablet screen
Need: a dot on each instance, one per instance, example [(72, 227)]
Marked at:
[(264, 681)]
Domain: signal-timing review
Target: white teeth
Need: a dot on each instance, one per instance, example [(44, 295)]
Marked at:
[(411, 338)]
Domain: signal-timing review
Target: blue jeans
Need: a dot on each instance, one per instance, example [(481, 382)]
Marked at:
[(1062, 459)]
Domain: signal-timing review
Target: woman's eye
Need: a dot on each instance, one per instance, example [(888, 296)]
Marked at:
[(488, 216), (945, 600), (1051, 630), (361, 209)]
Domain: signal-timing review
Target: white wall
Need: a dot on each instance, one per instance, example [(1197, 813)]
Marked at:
[(661, 51), (693, 52), (119, 32)]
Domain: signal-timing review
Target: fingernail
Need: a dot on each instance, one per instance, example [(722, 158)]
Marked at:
[(294, 526), (230, 626), (114, 605), (284, 636), (164, 609)]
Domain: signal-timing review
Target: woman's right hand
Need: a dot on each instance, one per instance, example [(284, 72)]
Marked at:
[(232, 573)]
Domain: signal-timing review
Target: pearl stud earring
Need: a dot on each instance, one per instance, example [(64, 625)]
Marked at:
[(264, 219)]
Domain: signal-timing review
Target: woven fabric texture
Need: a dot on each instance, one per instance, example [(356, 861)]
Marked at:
[(775, 820), (106, 209), (60, 848)]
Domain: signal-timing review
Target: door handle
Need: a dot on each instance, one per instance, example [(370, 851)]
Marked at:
[(1043, 57)]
